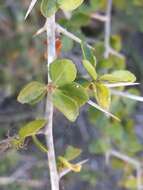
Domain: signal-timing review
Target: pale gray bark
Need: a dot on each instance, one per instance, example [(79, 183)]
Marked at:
[(108, 29), (51, 52)]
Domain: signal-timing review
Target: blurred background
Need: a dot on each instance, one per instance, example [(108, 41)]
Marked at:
[(22, 59)]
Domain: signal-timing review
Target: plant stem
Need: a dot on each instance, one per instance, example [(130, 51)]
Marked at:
[(108, 29), (124, 157), (70, 35), (51, 52)]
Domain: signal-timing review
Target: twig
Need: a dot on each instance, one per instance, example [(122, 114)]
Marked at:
[(127, 95), (108, 29), (124, 157), (21, 170), (26, 182), (51, 52), (17, 174), (108, 48), (119, 84), (62, 30), (107, 157), (103, 110), (41, 30), (97, 16), (139, 178), (114, 52)]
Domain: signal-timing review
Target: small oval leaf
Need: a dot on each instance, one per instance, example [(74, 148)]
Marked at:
[(119, 76), (62, 71), (88, 54), (83, 82), (103, 95), (71, 153), (39, 144), (116, 42), (48, 7), (65, 104), (32, 93), (31, 128), (76, 92), (90, 69), (69, 5)]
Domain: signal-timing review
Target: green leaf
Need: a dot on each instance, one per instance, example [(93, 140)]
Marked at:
[(115, 131), (131, 182), (88, 54), (71, 153), (83, 82), (90, 69), (76, 92), (102, 95), (116, 42), (116, 163), (48, 7), (38, 99), (66, 105), (62, 71), (105, 63), (32, 93), (118, 62), (31, 128), (98, 5), (67, 44), (79, 19), (98, 147), (99, 46), (66, 164), (69, 5), (39, 144), (119, 76)]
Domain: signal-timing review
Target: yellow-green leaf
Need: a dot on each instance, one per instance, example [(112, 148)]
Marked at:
[(48, 7), (131, 182), (119, 76), (72, 167), (88, 54), (83, 82), (102, 95), (62, 71), (65, 104), (116, 42), (71, 153), (76, 92), (90, 69), (32, 93), (31, 128), (98, 147), (39, 144), (69, 5)]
